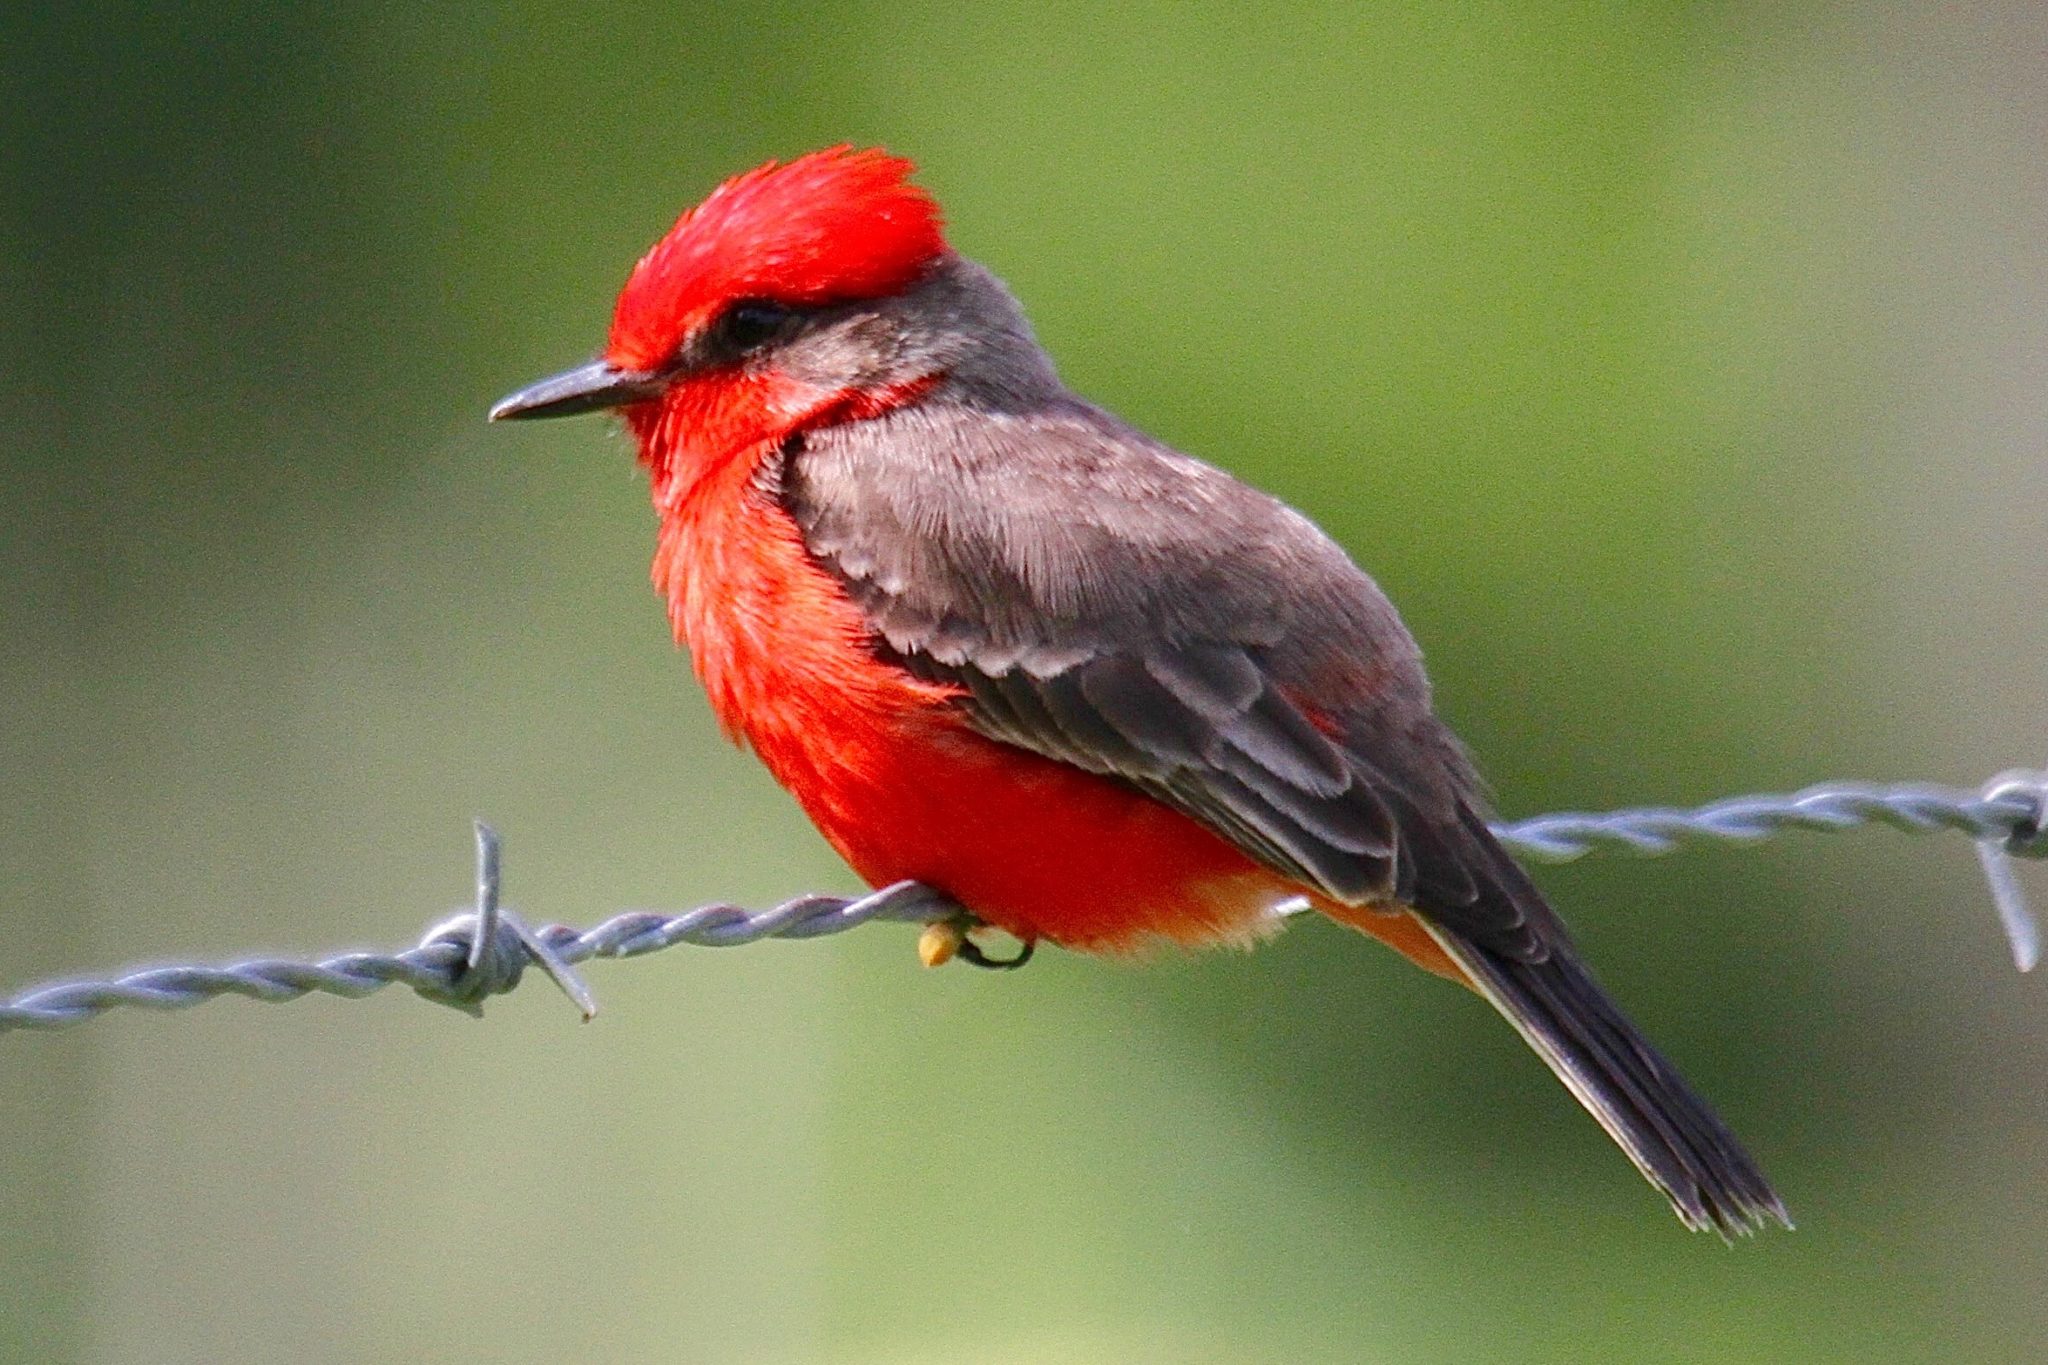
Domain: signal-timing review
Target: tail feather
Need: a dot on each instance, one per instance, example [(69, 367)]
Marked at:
[(1663, 1126)]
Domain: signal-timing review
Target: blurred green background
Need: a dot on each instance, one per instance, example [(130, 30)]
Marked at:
[(1680, 369)]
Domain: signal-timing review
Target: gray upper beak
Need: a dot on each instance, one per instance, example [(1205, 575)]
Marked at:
[(587, 388)]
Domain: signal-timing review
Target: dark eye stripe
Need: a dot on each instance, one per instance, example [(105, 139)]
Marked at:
[(750, 324)]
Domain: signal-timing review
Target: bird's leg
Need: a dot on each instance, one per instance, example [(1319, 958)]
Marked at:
[(943, 940)]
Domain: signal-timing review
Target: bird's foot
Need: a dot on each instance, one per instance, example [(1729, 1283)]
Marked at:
[(943, 940)]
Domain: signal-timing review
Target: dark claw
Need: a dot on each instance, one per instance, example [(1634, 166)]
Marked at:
[(971, 952)]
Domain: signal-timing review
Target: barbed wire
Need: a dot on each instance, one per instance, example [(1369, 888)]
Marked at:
[(472, 956)]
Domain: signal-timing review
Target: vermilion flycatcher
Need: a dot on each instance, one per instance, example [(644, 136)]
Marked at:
[(996, 641)]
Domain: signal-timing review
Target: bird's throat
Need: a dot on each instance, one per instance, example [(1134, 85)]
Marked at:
[(697, 430), (768, 631)]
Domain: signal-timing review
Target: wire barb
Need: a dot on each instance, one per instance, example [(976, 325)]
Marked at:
[(483, 952), (496, 945), (2028, 838)]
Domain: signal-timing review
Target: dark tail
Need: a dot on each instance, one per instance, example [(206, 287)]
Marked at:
[(1668, 1131)]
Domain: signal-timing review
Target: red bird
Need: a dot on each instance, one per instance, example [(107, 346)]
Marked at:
[(999, 642)]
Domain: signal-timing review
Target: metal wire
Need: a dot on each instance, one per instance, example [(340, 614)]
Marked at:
[(484, 952)]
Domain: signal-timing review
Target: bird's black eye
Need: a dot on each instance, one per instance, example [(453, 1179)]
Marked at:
[(751, 323)]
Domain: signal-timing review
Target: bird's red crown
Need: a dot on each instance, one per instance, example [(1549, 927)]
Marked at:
[(828, 227)]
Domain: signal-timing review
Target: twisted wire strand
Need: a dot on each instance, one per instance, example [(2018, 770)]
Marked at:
[(2007, 810), (484, 952)]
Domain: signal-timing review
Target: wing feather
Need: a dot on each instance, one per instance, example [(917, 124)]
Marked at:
[(1104, 601), (1162, 637)]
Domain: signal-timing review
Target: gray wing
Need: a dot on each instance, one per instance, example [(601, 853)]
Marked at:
[(1105, 601)]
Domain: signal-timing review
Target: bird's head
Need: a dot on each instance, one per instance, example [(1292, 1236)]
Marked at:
[(796, 294)]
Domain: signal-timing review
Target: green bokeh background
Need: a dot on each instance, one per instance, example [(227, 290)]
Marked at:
[(1681, 370)]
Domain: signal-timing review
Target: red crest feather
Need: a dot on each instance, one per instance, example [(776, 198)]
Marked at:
[(828, 227)]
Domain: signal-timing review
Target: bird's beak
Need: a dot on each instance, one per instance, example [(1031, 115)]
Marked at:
[(587, 388)]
